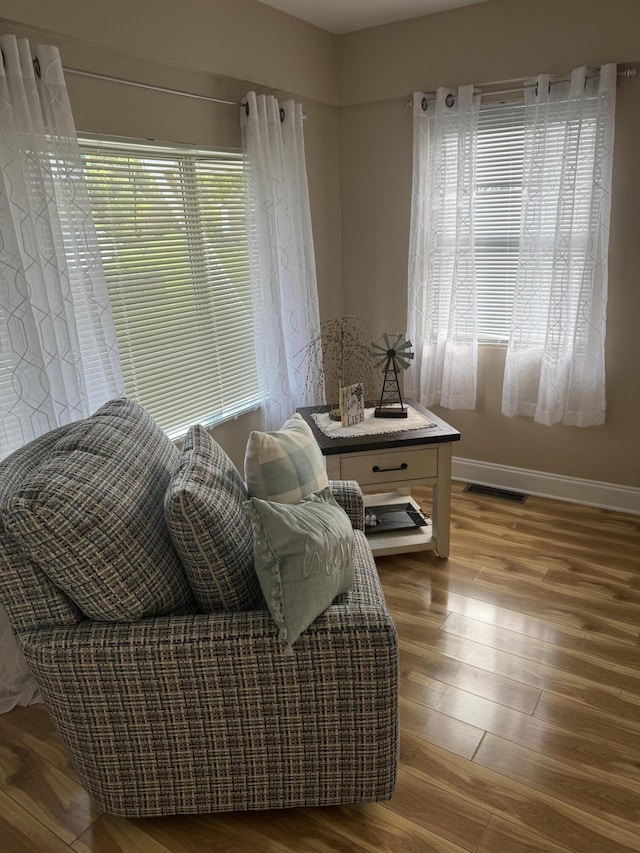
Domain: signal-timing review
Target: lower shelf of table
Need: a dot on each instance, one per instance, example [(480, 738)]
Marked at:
[(398, 541)]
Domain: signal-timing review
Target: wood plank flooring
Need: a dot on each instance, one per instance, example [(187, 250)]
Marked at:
[(519, 709)]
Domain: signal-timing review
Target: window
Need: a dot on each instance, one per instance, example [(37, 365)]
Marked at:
[(484, 175), (498, 208), (172, 234)]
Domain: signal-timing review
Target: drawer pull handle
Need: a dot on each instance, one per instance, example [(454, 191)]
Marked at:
[(377, 469)]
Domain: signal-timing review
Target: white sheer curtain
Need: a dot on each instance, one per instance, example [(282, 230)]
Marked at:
[(58, 352), (555, 370), (285, 295), (441, 319)]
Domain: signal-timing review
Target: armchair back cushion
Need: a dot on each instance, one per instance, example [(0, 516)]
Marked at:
[(29, 595), (210, 530), (91, 517)]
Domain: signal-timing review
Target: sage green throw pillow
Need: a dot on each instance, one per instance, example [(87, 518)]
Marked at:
[(285, 465), (303, 558)]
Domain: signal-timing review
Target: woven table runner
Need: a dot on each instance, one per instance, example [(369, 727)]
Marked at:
[(371, 425)]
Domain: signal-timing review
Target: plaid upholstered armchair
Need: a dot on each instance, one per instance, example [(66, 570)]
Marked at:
[(164, 708)]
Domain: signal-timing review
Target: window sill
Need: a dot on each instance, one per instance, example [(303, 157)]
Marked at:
[(178, 435)]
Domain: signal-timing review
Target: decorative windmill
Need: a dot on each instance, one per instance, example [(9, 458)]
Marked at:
[(394, 352)]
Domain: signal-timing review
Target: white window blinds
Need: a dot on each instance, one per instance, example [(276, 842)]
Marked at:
[(172, 233), (498, 210)]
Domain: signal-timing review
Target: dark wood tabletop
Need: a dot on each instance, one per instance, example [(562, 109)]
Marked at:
[(407, 438)]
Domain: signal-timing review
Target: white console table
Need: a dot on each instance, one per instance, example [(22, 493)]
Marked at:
[(389, 465)]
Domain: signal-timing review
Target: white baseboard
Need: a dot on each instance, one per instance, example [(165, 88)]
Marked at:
[(571, 489)]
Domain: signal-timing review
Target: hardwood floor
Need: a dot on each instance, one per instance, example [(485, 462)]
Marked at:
[(519, 709)]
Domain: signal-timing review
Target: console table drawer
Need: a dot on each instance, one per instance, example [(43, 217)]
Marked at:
[(390, 466)]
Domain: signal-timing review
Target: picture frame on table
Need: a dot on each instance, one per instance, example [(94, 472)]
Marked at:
[(352, 404)]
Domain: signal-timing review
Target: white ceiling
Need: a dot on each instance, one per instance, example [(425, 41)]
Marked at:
[(345, 16)]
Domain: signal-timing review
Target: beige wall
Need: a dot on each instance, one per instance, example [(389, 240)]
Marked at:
[(490, 41), (239, 39), (217, 48), (493, 41)]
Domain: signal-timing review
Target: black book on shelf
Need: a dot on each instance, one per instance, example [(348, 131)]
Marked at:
[(393, 517)]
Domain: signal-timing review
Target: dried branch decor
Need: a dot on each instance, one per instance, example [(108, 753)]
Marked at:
[(340, 348)]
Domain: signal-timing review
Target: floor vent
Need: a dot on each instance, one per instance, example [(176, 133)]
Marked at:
[(491, 492)]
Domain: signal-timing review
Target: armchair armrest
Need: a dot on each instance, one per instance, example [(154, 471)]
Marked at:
[(349, 495)]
